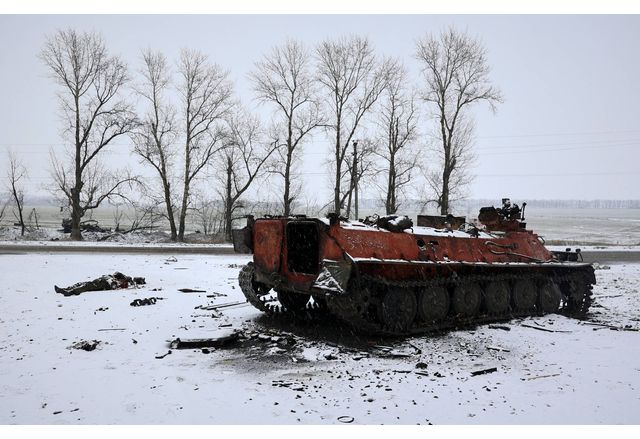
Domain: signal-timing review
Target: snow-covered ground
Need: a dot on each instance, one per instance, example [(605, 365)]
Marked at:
[(288, 373)]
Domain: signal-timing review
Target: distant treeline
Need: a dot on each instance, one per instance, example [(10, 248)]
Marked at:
[(560, 204)]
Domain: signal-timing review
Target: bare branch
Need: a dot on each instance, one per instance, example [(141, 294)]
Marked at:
[(92, 114), (283, 79), (456, 74), (207, 100), (16, 173), (352, 79)]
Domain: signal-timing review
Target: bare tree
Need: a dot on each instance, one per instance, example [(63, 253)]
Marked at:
[(15, 175), (241, 163), (284, 79), (460, 157), (209, 215), (154, 140), (398, 125), (206, 94), (93, 117), (456, 76), (3, 208), (352, 79)]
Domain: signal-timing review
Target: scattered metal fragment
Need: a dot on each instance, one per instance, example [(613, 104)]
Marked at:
[(421, 365), (144, 302), (112, 329), (497, 348), (214, 295), (484, 371), (159, 357), (191, 290), (543, 376), (598, 266), (215, 342), (222, 305), (85, 345), (346, 419), (541, 328), (612, 327)]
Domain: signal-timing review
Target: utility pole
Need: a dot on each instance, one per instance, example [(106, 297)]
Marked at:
[(355, 181)]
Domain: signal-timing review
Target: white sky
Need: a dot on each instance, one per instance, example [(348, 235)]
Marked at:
[(568, 128)]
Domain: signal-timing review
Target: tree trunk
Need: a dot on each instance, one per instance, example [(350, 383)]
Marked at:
[(183, 213), (21, 220), (356, 178), (390, 204), (228, 204), (16, 197), (170, 213), (185, 192), (444, 198), (446, 171), (76, 210), (336, 190), (287, 184), (76, 214)]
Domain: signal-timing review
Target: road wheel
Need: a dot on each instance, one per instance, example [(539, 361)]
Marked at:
[(549, 297), (294, 302), (467, 298), (577, 300), (524, 295), (433, 304), (497, 297), (398, 309)]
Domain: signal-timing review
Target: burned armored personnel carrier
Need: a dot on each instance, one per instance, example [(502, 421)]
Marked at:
[(383, 275)]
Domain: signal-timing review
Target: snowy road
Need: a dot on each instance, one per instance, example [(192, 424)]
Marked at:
[(291, 374)]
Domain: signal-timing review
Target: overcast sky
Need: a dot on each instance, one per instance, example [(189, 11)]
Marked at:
[(568, 128)]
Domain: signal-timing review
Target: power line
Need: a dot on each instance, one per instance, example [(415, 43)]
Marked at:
[(327, 173), (575, 148), (577, 174), (584, 133), (603, 142)]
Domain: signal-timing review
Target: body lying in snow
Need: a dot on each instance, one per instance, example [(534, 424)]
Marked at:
[(113, 281)]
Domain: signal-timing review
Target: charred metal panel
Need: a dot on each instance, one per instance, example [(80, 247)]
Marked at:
[(441, 221), (242, 240), (268, 238)]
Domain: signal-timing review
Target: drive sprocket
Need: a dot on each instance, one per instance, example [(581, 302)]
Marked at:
[(252, 290)]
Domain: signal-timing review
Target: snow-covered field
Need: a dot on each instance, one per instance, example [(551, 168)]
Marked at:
[(289, 373)]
